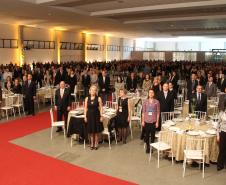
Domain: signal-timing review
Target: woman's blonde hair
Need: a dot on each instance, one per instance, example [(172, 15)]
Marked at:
[(91, 87), (124, 90)]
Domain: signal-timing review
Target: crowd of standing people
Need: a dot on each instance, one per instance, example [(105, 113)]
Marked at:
[(160, 80)]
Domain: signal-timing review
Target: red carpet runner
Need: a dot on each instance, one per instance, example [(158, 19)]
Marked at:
[(20, 166)]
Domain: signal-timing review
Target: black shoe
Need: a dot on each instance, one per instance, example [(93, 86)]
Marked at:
[(147, 150), (220, 168), (124, 142), (59, 130), (96, 148)]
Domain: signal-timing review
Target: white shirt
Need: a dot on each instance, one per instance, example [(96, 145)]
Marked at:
[(165, 93), (61, 92), (199, 96)]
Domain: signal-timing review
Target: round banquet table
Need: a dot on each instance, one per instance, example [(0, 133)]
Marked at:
[(76, 124), (179, 139)]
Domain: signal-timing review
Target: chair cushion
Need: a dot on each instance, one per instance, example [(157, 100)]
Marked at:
[(58, 123), (193, 154), (6, 107), (135, 118), (160, 146)]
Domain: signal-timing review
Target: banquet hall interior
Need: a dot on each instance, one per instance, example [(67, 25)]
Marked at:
[(112, 92)]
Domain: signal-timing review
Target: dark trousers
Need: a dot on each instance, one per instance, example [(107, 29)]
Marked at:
[(149, 128), (86, 91), (104, 97), (61, 114), (29, 102), (221, 161)]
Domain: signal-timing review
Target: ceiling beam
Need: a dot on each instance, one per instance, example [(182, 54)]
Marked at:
[(159, 7), (189, 18)]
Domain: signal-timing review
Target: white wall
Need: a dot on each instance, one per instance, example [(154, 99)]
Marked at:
[(39, 55), (165, 46), (129, 43), (49, 55), (113, 55), (8, 55), (71, 55), (187, 46), (95, 55), (212, 44)]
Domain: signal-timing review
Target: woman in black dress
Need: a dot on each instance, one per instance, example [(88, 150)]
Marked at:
[(123, 115), (72, 81), (93, 116)]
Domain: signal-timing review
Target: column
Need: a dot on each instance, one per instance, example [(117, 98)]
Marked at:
[(20, 45), (105, 48), (84, 51), (57, 46), (121, 49)]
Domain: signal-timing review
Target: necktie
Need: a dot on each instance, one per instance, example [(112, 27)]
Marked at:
[(61, 93), (199, 98)]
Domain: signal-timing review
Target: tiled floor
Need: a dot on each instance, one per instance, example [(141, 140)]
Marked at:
[(128, 162)]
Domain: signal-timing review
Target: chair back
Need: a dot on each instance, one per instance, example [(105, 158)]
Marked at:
[(75, 89), (166, 137), (194, 143), (165, 116), (114, 105), (51, 116), (19, 99), (75, 105), (200, 115), (9, 101), (108, 104)]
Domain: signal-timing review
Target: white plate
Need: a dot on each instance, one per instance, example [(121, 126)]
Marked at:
[(211, 132), (193, 133), (178, 119), (170, 123), (175, 129)]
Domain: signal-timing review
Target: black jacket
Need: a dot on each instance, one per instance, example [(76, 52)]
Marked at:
[(86, 80), (221, 84), (29, 90), (65, 101), (17, 89), (191, 88), (198, 105), (104, 85), (131, 85), (166, 104)]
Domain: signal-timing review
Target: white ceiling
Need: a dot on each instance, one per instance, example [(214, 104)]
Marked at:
[(137, 18)]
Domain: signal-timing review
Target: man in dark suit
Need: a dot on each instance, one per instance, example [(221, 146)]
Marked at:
[(198, 101), (174, 80), (221, 83), (62, 103), (171, 89), (17, 88), (104, 86), (29, 95), (60, 76), (211, 88), (191, 86), (86, 83), (131, 83), (166, 100)]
